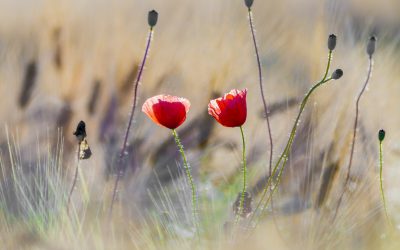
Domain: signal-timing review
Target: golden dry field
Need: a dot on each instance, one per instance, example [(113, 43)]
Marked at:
[(68, 60)]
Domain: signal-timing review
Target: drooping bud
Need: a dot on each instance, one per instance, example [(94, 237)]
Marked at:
[(152, 18), (248, 3), (371, 45), (337, 74), (331, 42), (381, 135)]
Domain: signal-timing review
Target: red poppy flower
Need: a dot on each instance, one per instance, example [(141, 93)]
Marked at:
[(166, 110), (231, 109)]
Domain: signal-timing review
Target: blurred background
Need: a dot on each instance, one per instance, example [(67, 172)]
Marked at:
[(66, 61)]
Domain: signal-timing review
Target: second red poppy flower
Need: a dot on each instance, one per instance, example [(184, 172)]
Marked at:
[(231, 109)]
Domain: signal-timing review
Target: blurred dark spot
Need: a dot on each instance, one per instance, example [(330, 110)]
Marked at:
[(64, 116), (28, 83), (92, 104), (108, 121), (129, 80), (57, 59), (326, 183)]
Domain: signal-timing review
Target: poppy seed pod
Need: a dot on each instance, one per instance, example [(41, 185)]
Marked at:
[(248, 3), (371, 46), (337, 74), (331, 42), (381, 135), (152, 18)]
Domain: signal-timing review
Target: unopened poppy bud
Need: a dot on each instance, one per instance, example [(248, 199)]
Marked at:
[(152, 18), (337, 74), (371, 45), (248, 3), (381, 135), (331, 42)]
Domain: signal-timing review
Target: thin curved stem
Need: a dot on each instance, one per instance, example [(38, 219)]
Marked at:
[(285, 153), (381, 181), (290, 142), (121, 167), (244, 170), (266, 110), (353, 143), (190, 179), (75, 178)]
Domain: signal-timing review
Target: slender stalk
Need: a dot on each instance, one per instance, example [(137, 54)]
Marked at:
[(75, 178), (353, 143), (381, 180), (244, 169), (286, 151), (190, 179), (121, 167), (266, 110)]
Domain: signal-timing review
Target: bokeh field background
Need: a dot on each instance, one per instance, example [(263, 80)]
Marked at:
[(66, 61)]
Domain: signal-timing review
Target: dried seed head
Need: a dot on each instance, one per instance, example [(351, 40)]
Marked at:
[(337, 74), (80, 132), (381, 135), (152, 18), (371, 45), (248, 3), (331, 42)]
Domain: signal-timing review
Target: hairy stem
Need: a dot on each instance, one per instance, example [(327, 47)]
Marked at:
[(353, 143), (190, 179), (381, 180), (244, 169), (121, 167), (285, 154)]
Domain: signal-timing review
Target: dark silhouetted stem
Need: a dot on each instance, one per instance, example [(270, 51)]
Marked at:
[(190, 179), (75, 178), (353, 143), (121, 167)]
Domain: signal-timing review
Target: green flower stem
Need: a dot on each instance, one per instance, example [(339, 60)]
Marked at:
[(285, 153), (381, 180), (244, 169), (190, 179)]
